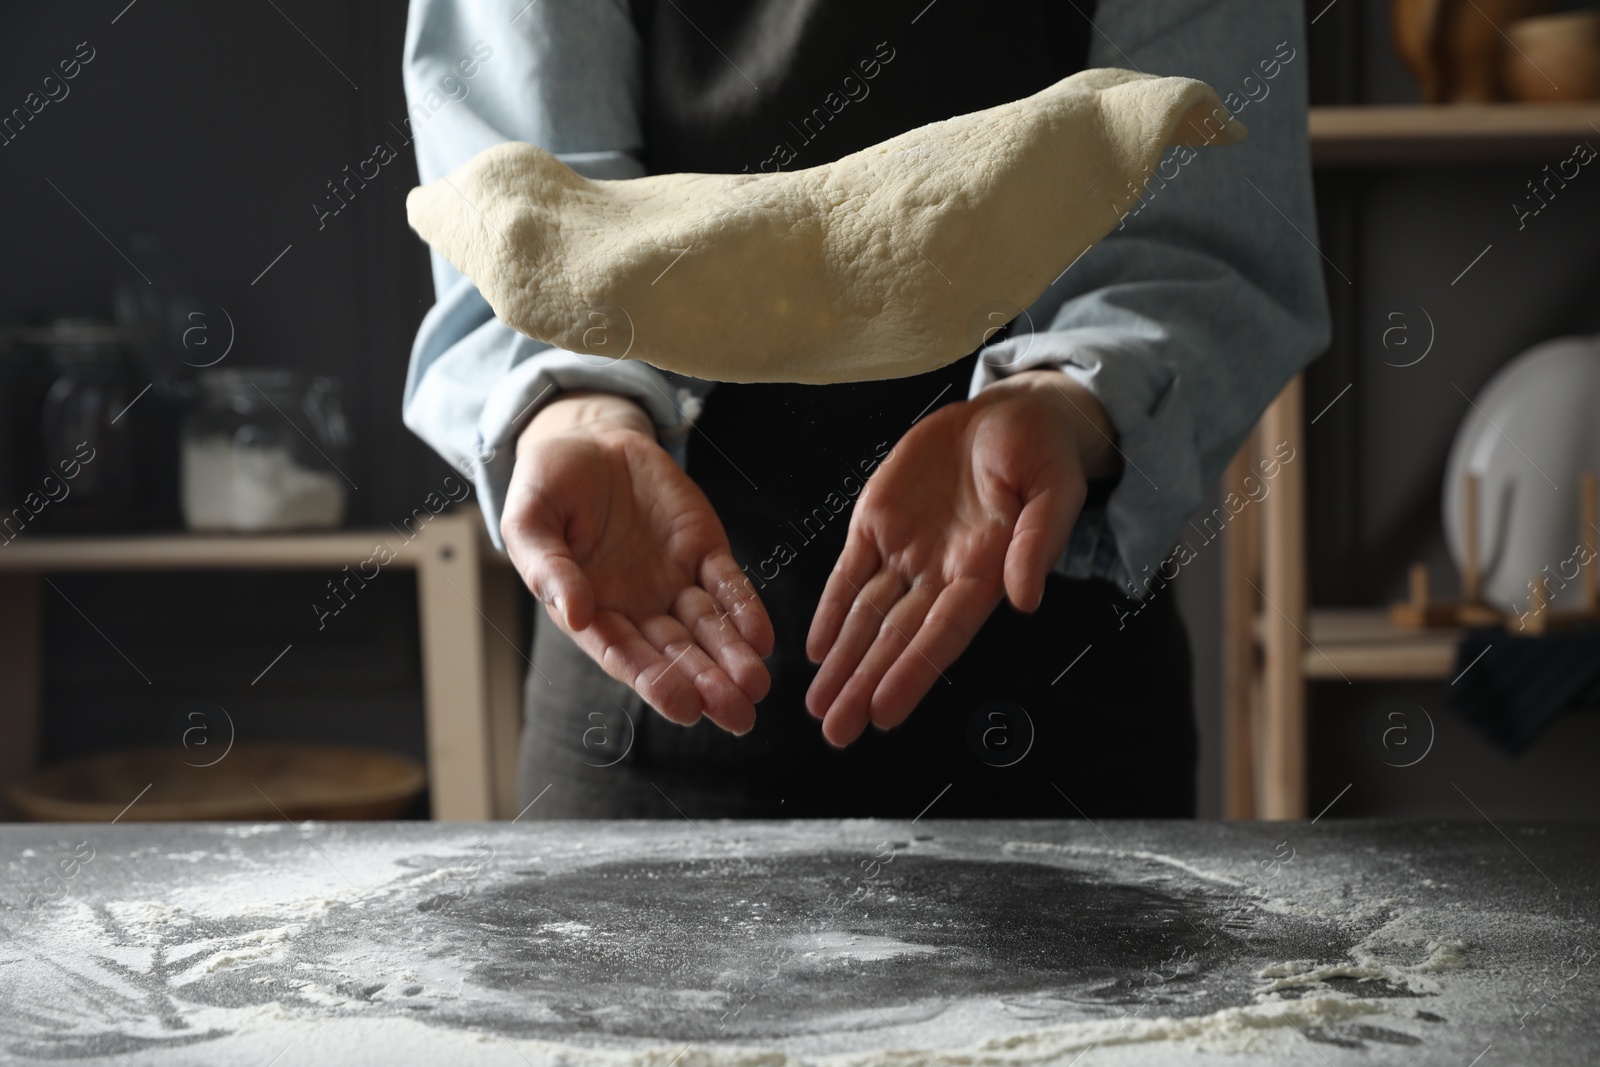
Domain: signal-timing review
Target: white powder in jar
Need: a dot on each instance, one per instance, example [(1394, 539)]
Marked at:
[(249, 489)]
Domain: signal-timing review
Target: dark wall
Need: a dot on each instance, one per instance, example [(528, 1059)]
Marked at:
[(196, 141)]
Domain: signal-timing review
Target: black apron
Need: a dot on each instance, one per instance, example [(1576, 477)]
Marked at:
[(787, 84)]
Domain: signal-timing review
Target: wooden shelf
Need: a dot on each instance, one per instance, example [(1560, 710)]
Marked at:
[(1362, 645), (1452, 133), (177, 551), (186, 551), (467, 613)]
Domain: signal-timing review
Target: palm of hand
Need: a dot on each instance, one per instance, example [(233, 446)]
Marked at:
[(632, 561), (975, 501), (644, 533)]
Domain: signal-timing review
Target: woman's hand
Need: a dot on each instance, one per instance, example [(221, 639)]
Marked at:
[(975, 501), (628, 557)]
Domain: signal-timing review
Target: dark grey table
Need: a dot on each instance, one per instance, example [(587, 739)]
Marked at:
[(854, 944)]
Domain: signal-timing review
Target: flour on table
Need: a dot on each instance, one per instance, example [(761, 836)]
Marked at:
[(468, 946), (837, 945), (252, 947), (1397, 952), (1264, 1029), (1026, 847), (889, 262)]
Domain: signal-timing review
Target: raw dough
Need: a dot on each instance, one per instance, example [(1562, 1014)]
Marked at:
[(887, 263), (892, 261)]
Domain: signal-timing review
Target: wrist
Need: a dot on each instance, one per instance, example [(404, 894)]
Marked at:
[(1092, 429), (592, 412)]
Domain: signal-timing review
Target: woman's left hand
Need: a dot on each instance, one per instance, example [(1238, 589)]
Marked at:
[(975, 501)]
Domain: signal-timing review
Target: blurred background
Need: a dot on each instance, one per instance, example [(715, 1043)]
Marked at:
[(207, 321)]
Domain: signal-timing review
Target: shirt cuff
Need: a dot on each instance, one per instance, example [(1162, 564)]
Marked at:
[(1127, 541), (539, 378)]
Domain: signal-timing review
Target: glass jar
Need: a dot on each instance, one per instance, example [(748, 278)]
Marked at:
[(89, 449), (264, 450)]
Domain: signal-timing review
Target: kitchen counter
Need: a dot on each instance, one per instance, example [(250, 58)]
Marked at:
[(745, 944)]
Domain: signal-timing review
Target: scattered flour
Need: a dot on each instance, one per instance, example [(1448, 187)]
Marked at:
[(1013, 847), (1262, 1029), (570, 929), (833, 944), (1397, 952), (248, 948), (1411, 949)]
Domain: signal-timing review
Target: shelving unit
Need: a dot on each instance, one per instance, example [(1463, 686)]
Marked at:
[(467, 607), (1360, 644), (1274, 643), (1460, 133)]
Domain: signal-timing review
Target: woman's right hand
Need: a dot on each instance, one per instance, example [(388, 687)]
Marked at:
[(630, 560)]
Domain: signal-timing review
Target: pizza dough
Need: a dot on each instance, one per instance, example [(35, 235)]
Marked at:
[(892, 261)]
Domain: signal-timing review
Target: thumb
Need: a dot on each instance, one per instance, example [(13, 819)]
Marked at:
[(544, 559), (1038, 539)]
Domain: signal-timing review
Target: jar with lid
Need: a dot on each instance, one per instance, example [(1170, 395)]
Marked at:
[(264, 450)]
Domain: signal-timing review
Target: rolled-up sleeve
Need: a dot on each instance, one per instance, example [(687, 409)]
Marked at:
[(1190, 317), (565, 75)]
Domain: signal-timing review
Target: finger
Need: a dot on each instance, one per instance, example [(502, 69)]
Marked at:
[(851, 712), (1037, 541), (715, 631), (729, 586), (872, 602), (857, 564), (725, 703), (544, 559), (847, 719), (614, 642), (954, 620)]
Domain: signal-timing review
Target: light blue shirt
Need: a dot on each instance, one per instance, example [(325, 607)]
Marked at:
[(1184, 323)]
